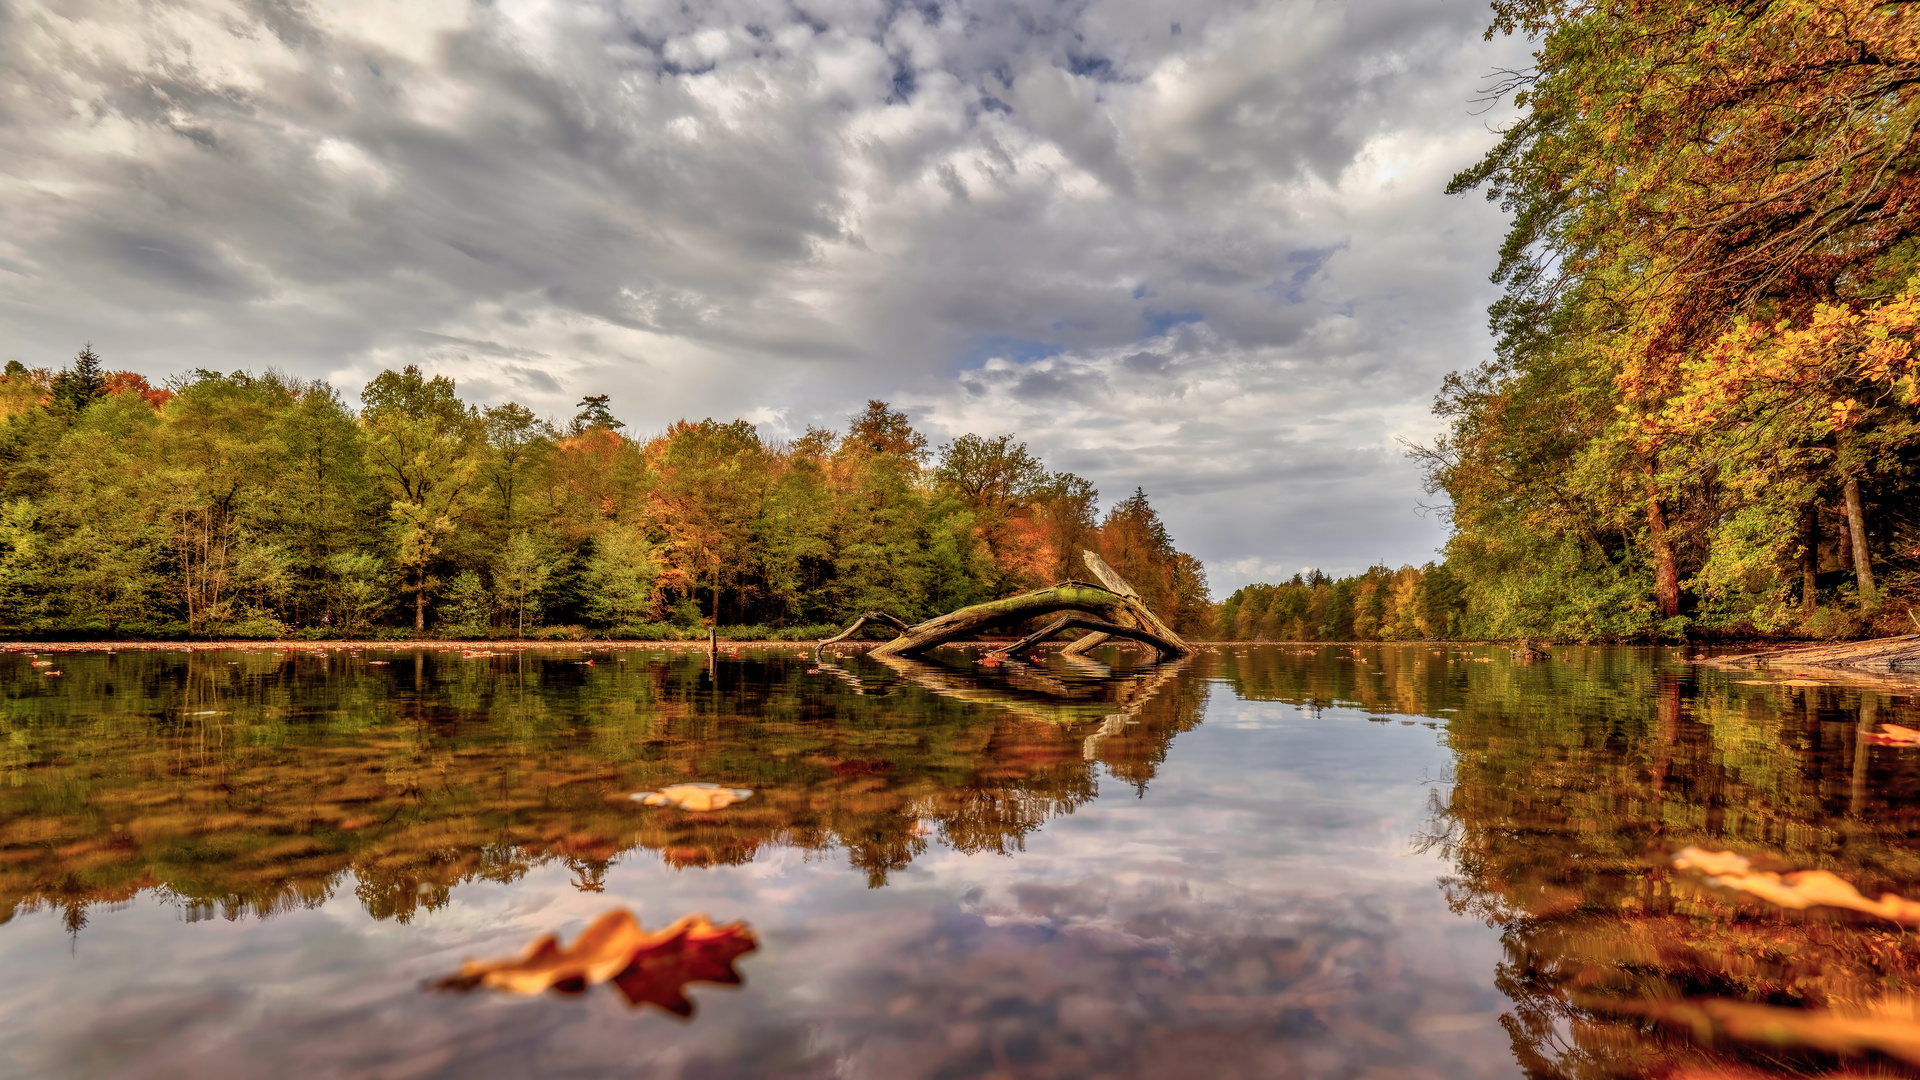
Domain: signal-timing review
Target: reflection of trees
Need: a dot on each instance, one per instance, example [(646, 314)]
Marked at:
[(1561, 822), (261, 786), (1575, 779)]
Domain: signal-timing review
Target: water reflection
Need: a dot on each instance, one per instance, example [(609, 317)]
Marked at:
[(265, 781), (1575, 782), (1261, 901)]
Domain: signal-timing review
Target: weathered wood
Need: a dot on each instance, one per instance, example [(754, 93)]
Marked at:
[(872, 616), (1166, 649), (1111, 578), (994, 614), (1526, 652), (1107, 575), (1878, 654), (1115, 611)]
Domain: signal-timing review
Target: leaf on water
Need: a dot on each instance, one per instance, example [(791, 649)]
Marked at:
[(1895, 1036), (647, 968), (1711, 862), (698, 796), (1892, 735), (1799, 890), (43, 663)]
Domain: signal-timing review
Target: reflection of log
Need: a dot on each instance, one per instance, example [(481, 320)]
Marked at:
[(1034, 695)]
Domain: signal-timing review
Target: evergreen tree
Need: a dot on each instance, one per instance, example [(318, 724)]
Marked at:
[(77, 386)]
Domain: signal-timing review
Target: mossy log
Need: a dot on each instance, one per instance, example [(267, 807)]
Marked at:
[(1104, 609)]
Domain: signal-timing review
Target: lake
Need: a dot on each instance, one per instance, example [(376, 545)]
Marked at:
[(1413, 860)]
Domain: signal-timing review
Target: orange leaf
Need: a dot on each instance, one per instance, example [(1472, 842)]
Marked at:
[(693, 796), (1798, 891), (1892, 735), (647, 968)]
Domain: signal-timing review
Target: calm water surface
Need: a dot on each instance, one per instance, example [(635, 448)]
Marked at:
[(1270, 861)]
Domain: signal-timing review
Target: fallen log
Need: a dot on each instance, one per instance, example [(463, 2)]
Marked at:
[(872, 616), (1077, 596), (1083, 622), (1111, 609), (1879, 654)]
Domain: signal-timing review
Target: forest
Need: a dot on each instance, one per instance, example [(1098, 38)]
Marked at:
[(260, 506), (1702, 415), (1413, 603)]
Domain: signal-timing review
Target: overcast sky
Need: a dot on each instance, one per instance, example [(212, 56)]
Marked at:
[(1197, 247)]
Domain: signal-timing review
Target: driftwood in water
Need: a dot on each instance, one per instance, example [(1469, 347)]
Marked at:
[(1107, 576), (1108, 610), (872, 616), (1880, 654), (1075, 620)]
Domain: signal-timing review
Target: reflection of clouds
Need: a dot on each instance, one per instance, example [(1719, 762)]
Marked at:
[(1253, 908)]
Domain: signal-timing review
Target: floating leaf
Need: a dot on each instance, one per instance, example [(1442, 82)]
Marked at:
[(1895, 1036), (699, 796), (43, 663), (1892, 735), (647, 968), (1799, 891)]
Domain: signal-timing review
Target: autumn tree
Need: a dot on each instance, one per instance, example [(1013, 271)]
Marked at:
[(1679, 170)]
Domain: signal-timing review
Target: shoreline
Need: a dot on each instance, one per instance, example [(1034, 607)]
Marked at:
[(519, 644)]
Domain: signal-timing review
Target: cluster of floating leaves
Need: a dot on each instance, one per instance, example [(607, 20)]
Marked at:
[(646, 968)]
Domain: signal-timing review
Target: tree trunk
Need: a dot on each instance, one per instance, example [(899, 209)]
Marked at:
[(1809, 559), (1666, 575), (1110, 607), (420, 602), (1109, 577), (1857, 533)]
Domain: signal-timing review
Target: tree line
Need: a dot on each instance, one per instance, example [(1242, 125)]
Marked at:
[(1413, 603), (258, 505), (1703, 411)]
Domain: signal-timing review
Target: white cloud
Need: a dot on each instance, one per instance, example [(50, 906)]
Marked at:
[(1215, 263)]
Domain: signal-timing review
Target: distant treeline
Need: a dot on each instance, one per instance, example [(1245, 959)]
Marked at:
[(1409, 604), (259, 505)]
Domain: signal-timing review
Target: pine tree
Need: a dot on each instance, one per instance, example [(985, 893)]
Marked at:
[(78, 386)]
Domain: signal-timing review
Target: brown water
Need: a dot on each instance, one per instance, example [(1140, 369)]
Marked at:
[(1267, 862)]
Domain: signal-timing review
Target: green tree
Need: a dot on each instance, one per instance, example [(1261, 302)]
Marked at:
[(520, 576), (357, 589), (619, 579), (467, 607), (422, 445), (79, 385)]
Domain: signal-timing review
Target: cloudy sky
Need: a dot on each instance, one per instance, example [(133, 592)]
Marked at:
[(1198, 247)]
